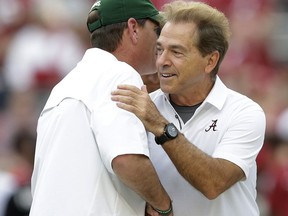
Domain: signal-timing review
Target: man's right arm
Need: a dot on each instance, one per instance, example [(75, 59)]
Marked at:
[(137, 172)]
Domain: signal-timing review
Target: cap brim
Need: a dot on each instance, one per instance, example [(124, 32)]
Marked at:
[(159, 19)]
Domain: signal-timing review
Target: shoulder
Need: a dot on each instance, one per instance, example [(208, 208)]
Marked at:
[(242, 111), (242, 102), (102, 65)]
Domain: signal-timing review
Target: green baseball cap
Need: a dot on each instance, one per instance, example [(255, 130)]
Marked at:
[(117, 11)]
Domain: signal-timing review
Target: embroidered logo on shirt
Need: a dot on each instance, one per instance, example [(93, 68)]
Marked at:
[(212, 126)]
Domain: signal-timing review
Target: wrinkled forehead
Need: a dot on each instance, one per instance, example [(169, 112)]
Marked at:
[(179, 33)]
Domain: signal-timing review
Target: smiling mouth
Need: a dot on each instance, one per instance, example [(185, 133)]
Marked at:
[(167, 75)]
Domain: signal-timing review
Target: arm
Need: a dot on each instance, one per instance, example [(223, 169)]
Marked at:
[(138, 173), (211, 176)]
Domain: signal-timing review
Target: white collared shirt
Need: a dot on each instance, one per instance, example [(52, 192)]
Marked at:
[(227, 125), (80, 131)]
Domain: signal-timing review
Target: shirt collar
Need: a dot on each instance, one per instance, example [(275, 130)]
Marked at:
[(217, 95)]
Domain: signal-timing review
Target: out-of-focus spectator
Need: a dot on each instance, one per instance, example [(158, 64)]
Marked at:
[(41, 43), (22, 111), (13, 15), (19, 201), (277, 42), (273, 177), (282, 5), (44, 50), (7, 187), (273, 168), (281, 128), (278, 194)]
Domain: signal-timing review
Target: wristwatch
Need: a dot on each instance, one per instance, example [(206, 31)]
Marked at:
[(170, 132)]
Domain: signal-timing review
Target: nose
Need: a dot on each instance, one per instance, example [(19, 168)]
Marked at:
[(163, 59)]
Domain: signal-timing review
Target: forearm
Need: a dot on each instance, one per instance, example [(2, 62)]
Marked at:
[(211, 176), (138, 173)]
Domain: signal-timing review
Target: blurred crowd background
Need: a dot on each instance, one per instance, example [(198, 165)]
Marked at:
[(42, 40)]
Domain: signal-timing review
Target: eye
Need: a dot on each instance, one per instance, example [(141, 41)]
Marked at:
[(157, 31), (176, 53), (159, 50)]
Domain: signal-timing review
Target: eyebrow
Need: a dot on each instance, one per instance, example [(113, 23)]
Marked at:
[(174, 46)]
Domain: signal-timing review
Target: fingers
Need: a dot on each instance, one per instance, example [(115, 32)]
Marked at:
[(123, 102), (132, 89), (122, 96), (129, 88), (126, 91), (126, 99), (129, 94), (150, 211), (144, 88), (122, 92), (132, 99)]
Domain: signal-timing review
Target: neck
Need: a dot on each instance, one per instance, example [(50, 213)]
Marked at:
[(193, 96), (125, 53)]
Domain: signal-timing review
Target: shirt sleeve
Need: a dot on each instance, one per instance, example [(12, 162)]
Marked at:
[(118, 132), (243, 139)]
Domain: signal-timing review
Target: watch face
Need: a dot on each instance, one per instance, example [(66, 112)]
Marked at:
[(172, 131)]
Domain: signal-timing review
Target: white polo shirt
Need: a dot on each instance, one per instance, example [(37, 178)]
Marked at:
[(227, 125), (80, 131)]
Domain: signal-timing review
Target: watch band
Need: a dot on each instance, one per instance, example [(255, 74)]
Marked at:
[(160, 140), (170, 132)]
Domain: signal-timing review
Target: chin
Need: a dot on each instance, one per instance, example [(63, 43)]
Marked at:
[(165, 90)]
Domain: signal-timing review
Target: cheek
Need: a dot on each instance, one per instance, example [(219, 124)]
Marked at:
[(186, 71), (149, 43), (152, 38)]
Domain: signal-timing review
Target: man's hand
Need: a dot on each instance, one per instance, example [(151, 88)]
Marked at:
[(138, 101), (149, 211)]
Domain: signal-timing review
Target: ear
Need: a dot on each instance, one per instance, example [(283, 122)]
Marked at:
[(133, 29), (212, 60)]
